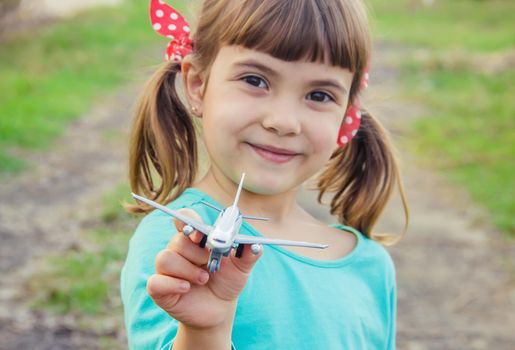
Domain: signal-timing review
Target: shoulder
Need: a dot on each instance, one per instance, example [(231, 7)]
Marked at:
[(372, 255)]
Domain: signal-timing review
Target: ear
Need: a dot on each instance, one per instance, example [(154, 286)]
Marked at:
[(194, 84)]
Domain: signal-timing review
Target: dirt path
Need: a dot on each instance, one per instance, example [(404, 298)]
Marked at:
[(456, 274), (44, 210)]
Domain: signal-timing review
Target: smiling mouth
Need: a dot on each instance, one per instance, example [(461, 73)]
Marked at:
[(273, 154)]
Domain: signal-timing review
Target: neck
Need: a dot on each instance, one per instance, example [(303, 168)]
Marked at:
[(277, 207)]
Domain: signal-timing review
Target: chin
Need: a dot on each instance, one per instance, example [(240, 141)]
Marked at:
[(270, 184)]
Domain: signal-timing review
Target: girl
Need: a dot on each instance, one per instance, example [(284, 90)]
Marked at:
[(273, 84)]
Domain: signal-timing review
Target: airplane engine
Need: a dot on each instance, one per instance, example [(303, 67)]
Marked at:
[(187, 230), (256, 248)]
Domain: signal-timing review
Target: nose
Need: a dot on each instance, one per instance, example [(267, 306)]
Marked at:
[(282, 117)]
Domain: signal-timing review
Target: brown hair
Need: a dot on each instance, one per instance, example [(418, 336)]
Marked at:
[(362, 174)]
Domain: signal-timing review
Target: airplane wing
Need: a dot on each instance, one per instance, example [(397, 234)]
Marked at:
[(205, 229), (244, 239)]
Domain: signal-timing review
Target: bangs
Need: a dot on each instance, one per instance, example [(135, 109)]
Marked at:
[(330, 31)]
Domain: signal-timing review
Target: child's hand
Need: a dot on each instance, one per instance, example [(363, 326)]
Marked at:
[(184, 289)]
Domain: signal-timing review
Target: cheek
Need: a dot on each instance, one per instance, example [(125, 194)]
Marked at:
[(228, 121), (323, 136), (221, 132)]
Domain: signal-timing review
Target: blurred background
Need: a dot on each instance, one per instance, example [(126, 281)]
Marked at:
[(441, 82)]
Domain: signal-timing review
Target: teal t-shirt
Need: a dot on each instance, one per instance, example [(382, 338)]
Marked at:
[(289, 302)]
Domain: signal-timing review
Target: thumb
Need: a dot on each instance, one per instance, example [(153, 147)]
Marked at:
[(246, 262)]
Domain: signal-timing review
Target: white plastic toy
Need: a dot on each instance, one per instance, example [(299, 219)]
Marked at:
[(224, 235)]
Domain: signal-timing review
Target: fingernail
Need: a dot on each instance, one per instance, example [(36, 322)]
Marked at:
[(184, 285), (203, 277)]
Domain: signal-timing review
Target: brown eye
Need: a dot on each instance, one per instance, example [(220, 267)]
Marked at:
[(320, 96), (255, 81)]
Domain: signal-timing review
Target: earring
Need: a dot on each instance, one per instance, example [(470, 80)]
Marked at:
[(194, 110)]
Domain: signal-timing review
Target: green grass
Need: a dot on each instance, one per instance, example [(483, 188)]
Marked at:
[(468, 128), (53, 74), (10, 165), (468, 132), (81, 282), (448, 24), (85, 281)]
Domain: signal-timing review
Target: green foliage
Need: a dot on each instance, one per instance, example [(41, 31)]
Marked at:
[(10, 165), (52, 75), (468, 132), (469, 124), (79, 282), (457, 24)]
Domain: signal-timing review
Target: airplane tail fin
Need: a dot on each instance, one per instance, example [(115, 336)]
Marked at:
[(237, 198)]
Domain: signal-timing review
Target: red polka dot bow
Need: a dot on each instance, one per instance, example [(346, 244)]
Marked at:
[(352, 119), (170, 23)]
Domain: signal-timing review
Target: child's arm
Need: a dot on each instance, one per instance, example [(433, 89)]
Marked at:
[(203, 304)]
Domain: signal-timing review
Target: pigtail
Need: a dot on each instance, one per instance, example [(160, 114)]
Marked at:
[(362, 176), (163, 147)]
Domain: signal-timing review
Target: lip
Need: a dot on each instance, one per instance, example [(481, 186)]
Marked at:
[(273, 149), (272, 153)]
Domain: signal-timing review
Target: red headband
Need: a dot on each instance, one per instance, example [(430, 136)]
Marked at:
[(350, 123), (170, 23)]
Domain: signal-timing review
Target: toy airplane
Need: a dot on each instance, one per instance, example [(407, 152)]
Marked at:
[(224, 235)]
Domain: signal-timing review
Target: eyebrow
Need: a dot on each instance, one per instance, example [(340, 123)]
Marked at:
[(257, 65), (331, 83), (251, 63)]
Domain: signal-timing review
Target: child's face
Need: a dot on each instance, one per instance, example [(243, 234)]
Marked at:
[(275, 120)]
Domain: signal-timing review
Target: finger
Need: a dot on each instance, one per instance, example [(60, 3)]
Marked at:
[(179, 225), (186, 212), (172, 264), (161, 286), (247, 260), (195, 237), (188, 249), (189, 213)]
